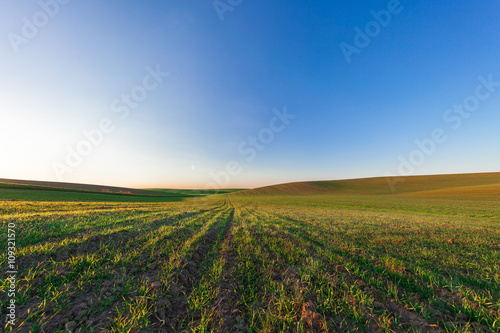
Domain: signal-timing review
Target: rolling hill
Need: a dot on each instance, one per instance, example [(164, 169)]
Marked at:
[(435, 185), (14, 189), (73, 186)]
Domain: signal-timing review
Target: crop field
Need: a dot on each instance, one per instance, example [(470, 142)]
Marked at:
[(256, 263)]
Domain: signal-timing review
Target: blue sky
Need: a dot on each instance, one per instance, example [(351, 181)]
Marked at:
[(352, 119)]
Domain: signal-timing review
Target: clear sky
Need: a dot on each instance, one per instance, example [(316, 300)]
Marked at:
[(257, 92)]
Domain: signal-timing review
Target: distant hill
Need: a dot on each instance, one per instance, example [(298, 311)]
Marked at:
[(27, 190), (15, 189), (195, 192), (74, 186), (435, 185)]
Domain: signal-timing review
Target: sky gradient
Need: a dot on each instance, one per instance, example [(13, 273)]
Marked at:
[(181, 92)]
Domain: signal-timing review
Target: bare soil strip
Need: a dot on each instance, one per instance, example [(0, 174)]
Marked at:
[(175, 312), (228, 315)]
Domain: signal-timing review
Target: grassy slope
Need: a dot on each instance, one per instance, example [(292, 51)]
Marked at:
[(34, 184), (32, 192), (468, 195), (12, 189), (380, 185)]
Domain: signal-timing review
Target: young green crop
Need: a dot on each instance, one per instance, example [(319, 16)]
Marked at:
[(256, 264)]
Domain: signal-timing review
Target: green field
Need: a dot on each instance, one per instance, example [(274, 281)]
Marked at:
[(342, 256), (47, 191)]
